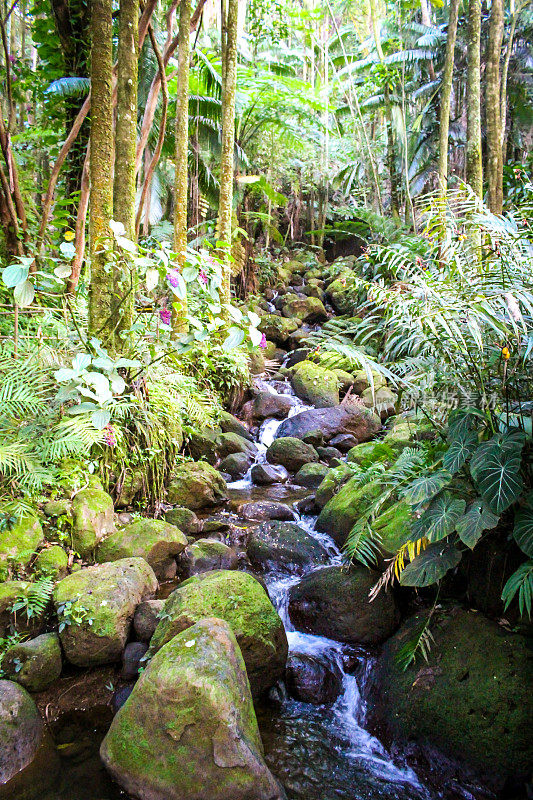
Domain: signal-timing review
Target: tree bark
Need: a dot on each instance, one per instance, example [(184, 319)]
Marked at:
[(229, 85), (445, 95), (492, 108), (179, 309), (474, 162), (101, 292), (505, 72)]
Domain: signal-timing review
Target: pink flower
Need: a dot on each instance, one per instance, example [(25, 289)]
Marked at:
[(203, 277), (263, 342), (109, 436), (172, 277), (165, 315)]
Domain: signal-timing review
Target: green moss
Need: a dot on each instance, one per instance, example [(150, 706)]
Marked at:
[(52, 561), (19, 543), (344, 509), (368, 453), (315, 384), (277, 329), (156, 541), (92, 519), (196, 485), (394, 527)]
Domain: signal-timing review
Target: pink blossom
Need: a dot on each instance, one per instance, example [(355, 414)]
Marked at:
[(172, 277), (109, 436), (263, 342), (165, 315), (203, 277)]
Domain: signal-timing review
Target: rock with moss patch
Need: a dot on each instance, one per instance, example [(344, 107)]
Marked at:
[(261, 510), (277, 329), (35, 663), (95, 607), (334, 602), (206, 555), (203, 445), (18, 542), (188, 730), (368, 453), (341, 296), (330, 484), (230, 424), (239, 599), (56, 508), (197, 485), (382, 401), (344, 509), (472, 699), (308, 309), (156, 541), (184, 519), (351, 418), (228, 443), (393, 527), (317, 385), (361, 381), (291, 453), (286, 547), (53, 561), (28, 760), (92, 519), (267, 404), (146, 618), (311, 475), (236, 465)]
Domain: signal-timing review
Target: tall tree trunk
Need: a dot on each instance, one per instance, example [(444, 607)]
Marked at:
[(505, 72), (179, 310), (492, 108), (229, 84), (125, 145), (101, 291), (474, 162), (445, 95)]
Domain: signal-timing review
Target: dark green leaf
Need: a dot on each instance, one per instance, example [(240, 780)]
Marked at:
[(461, 448), (520, 581), (478, 518), (499, 478), (439, 519), (423, 489), (431, 565), (523, 530)]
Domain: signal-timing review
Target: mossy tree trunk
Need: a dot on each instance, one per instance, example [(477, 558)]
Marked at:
[(179, 310), (229, 16), (101, 290), (125, 147), (474, 162), (493, 108), (445, 95)]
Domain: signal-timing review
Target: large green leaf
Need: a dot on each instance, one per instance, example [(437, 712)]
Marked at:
[(523, 530), (423, 489), (24, 293), (510, 444), (439, 519), (478, 518), (499, 478), (461, 448), (431, 565)]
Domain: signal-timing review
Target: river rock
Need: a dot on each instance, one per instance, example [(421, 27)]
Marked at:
[(236, 465), (203, 445), (268, 404), (277, 329), (188, 730), (315, 384), (239, 599), (228, 443), (266, 474), (262, 510), (28, 759), (291, 453), (343, 441), (104, 598), (310, 680), (18, 542), (297, 356), (53, 562), (92, 519), (132, 657), (334, 602), (330, 455), (284, 547), (382, 400), (341, 296), (361, 382), (308, 309), (311, 475), (349, 418), (331, 483), (472, 699), (156, 541), (340, 514), (197, 485), (184, 519), (146, 618), (35, 663), (206, 555), (230, 424)]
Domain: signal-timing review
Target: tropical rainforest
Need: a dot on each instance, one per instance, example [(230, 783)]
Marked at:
[(266, 399)]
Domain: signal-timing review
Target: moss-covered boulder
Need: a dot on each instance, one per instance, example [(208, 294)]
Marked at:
[(53, 561), (10, 591), (291, 453), (35, 663), (382, 401), (472, 699), (206, 555), (349, 418), (28, 759), (341, 296), (308, 309), (368, 453), (239, 599), (236, 465), (95, 606), (316, 385), (230, 424), (188, 730), (197, 485), (334, 602), (156, 541), (277, 329), (393, 527), (229, 443), (203, 445), (361, 381), (184, 519), (284, 547), (311, 475), (92, 519), (344, 509), (332, 480), (18, 542), (406, 433)]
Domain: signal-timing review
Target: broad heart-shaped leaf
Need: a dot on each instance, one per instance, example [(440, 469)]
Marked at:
[(461, 421), (461, 448), (431, 565), (423, 489), (499, 478), (255, 336), (523, 530), (14, 274), (439, 519), (510, 443), (477, 518), (100, 418), (24, 293), (234, 339), (190, 274)]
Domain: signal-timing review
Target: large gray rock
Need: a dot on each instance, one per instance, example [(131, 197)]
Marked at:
[(284, 547), (291, 453), (36, 663), (188, 730), (262, 510), (156, 541), (196, 485), (206, 555), (351, 418), (267, 404)]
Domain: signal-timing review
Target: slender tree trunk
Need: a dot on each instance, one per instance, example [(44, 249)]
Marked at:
[(125, 145), (474, 162), (426, 20), (492, 108), (229, 84), (505, 72), (179, 310), (445, 95), (101, 292)]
